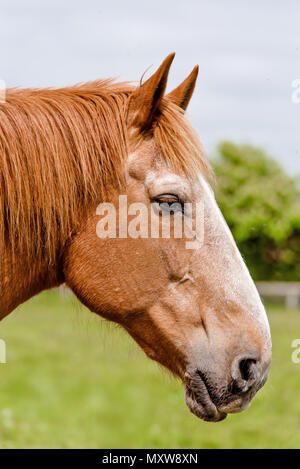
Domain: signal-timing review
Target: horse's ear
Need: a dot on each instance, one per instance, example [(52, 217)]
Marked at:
[(183, 93), (146, 98)]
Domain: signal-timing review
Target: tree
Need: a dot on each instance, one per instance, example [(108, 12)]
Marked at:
[(261, 204)]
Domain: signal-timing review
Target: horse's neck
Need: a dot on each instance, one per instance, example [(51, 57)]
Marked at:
[(19, 281)]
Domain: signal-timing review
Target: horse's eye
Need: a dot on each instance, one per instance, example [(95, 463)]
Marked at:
[(169, 203)]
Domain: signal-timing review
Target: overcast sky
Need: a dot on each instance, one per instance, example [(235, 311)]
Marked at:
[(248, 53)]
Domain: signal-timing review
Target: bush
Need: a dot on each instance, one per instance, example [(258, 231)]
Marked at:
[(261, 204)]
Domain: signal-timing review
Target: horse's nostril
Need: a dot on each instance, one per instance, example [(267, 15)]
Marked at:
[(245, 373), (247, 368)]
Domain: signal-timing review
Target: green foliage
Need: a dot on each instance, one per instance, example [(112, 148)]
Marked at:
[(261, 204), (71, 382)]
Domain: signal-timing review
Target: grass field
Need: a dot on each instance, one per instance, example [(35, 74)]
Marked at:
[(73, 381)]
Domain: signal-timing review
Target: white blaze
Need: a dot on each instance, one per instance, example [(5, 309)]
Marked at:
[(236, 279)]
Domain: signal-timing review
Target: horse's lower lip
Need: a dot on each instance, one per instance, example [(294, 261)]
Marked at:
[(235, 406), (200, 404)]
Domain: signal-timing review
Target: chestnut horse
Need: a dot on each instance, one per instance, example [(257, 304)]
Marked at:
[(65, 151)]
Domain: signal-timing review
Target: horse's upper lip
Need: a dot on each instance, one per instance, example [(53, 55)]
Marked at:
[(200, 402)]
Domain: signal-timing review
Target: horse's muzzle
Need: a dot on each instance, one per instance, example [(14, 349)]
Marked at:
[(200, 403), (210, 399)]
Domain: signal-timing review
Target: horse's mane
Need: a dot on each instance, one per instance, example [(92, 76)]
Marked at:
[(61, 149)]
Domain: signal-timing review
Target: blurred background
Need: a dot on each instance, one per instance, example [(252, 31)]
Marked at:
[(72, 380)]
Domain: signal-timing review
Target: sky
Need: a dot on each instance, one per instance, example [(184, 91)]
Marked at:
[(248, 54)]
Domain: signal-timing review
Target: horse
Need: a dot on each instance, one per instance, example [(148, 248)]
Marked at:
[(64, 152)]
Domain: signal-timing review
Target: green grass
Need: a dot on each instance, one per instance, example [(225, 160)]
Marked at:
[(73, 381)]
